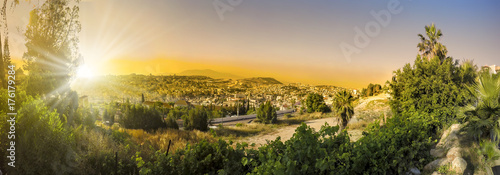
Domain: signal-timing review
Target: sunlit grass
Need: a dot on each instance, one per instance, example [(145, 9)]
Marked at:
[(159, 139)]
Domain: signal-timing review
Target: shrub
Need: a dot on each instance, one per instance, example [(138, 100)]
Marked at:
[(171, 122), (315, 103), (197, 119), (266, 113), (201, 158), (141, 117), (435, 84), (43, 145)]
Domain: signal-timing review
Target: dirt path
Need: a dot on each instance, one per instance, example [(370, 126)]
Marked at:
[(287, 132)]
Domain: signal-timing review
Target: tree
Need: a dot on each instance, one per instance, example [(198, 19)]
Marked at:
[(266, 113), (141, 117), (5, 54), (315, 103), (433, 88), (52, 47), (343, 107), (431, 47), (142, 99), (196, 119), (484, 117)]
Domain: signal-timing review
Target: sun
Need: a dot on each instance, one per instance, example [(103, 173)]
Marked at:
[(84, 72)]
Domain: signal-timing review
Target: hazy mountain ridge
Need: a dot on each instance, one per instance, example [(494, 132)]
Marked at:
[(260, 80), (210, 73)]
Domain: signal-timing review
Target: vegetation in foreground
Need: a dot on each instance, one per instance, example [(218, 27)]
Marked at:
[(55, 135)]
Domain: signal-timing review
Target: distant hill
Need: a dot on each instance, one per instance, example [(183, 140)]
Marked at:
[(260, 80), (209, 73)]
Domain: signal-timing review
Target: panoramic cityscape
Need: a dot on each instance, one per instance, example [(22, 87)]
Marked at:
[(249, 87)]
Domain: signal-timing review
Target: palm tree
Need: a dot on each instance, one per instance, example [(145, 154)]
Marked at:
[(484, 117), (342, 104), (431, 47)]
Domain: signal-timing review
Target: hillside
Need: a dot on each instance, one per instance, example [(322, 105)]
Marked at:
[(209, 73), (260, 80)]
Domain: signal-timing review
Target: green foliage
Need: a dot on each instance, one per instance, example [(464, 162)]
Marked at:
[(266, 113), (197, 119), (307, 152), (485, 116), (434, 85), (342, 104), (445, 169), (430, 47), (141, 117), (110, 112), (371, 90), (171, 122), (52, 47), (85, 116), (43, 144), (315, 103), (201, 158), (431, 87), (489, 152), (399, 145)]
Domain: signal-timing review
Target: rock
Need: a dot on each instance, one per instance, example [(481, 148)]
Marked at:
[(459, 165), (415, 171), (449, 138), (455, 127), (453, 153), (435, 173), (438, 152), (436, 164)]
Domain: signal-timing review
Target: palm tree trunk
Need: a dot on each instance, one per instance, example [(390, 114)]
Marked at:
[(340, 124)]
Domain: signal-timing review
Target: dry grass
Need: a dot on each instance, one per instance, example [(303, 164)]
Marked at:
[(298, 119), (160, 138), (360, 125), (244, 130)]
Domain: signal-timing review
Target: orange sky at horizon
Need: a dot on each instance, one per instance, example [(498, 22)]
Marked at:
[(291, 41), (167, 66)]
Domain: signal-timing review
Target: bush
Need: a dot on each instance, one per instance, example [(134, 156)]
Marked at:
[(371, 90), (141, 117), (43, 145), (315, 103), (266, 113), (432, 87), (197, 119), (201, 158), (171, 122)]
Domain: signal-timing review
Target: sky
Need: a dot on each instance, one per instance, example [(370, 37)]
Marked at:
[(311, 42)]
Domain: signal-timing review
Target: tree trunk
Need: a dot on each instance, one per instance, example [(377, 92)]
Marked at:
[(2, 66)]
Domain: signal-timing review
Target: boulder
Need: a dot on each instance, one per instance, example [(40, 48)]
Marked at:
[(438, 152), (458, 165), (453, 153), (449, 138), (415, 171), (436, 164)]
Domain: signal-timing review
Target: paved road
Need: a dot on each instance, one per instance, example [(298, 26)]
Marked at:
[(239, 118), (246, 117)]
